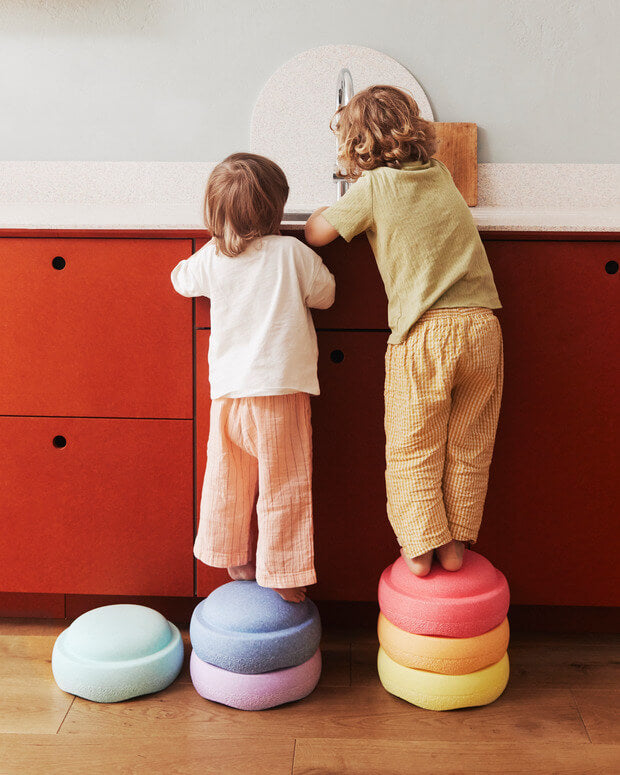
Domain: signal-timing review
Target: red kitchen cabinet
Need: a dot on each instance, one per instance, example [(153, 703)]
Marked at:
[(552, 505), (92, 327), (111, 366), (96, 506)]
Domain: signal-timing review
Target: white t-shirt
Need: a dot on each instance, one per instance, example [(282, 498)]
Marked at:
[(262, 340)]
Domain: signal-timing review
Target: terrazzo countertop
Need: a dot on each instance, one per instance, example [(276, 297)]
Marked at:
[(170, 218), (169, 196)]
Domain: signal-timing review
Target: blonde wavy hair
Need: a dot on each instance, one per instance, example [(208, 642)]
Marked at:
[(381, 127), (245, 199)]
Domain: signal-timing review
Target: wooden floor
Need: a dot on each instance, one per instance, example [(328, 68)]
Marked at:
[(559, 714)]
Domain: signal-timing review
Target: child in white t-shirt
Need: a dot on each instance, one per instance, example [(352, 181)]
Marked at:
[(262, 369)]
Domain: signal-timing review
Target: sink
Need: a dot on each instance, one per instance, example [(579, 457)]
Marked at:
[(295, 217)]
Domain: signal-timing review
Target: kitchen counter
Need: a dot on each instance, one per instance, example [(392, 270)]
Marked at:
[(165, 196), (182, 218)]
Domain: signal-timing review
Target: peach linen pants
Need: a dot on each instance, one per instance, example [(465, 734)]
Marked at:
[(443, 391), (263, 444)]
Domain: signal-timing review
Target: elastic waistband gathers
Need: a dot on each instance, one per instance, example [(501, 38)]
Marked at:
[(456, 312)]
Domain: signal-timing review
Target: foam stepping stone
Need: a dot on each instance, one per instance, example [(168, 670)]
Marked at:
[(451, 656), (244, 628), (255, 691), (435, 691), (116, 652), (461, 604)]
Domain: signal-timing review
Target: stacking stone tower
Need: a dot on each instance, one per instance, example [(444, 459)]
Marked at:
[(251, 649), (443, 637)]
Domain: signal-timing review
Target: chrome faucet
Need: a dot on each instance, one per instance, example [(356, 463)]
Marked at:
[(345, 92)]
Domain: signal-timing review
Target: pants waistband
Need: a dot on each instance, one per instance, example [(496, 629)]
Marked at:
[(456, 312)]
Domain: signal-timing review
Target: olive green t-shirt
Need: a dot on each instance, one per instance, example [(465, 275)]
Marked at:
[(424, 238)]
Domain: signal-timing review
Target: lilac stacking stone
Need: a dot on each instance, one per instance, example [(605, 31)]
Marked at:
[(244, 628), (255, 691)]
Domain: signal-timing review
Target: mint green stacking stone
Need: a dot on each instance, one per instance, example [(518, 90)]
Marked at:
[(117, 652)]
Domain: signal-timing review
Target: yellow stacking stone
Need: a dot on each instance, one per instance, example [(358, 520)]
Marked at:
[(451, 656), (435, 691)]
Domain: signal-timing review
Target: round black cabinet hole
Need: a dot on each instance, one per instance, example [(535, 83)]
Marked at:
[(58, 262), (59, 442), (336, 356), (611, 267)]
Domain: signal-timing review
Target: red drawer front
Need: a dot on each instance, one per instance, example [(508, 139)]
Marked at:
[(552, 505), (109, 513), (103, 336)]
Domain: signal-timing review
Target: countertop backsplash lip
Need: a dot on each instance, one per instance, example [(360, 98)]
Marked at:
[(169, 195)]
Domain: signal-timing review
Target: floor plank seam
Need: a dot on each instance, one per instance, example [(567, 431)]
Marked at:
[(578, 709), (66, 714), (293, 762)]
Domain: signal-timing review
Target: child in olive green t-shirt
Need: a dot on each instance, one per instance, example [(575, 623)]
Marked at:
[(444, 361)]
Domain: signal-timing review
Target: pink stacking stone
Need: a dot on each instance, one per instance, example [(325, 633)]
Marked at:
[(255, 691), (455, 604)]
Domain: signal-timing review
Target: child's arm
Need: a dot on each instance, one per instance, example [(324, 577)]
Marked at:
[(189, 277), (349, 216), (318, 231)]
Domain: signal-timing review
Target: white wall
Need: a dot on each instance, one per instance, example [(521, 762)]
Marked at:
[(175, 80)]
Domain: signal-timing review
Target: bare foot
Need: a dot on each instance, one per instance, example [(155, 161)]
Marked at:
[(245, 572), (292, 594), (451, 555), (421, 565)]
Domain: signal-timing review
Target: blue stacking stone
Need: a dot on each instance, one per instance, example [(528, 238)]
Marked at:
[(244, 628)]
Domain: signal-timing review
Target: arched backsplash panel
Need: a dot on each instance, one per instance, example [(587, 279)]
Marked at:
[(290, 121)]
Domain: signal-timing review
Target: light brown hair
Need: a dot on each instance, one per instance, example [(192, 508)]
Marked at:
[(244, 200), (381, 127)]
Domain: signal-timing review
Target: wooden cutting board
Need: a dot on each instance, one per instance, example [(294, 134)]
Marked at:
[(458, 150)]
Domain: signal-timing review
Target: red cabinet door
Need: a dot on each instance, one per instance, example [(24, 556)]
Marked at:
[(207, 578), (93, 327), (552, 505), (353, 539), (96, 506)]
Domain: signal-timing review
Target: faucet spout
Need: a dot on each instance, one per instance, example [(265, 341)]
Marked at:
[(345, 87)]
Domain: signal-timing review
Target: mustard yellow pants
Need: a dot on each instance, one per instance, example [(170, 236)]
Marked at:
[(443, 390)]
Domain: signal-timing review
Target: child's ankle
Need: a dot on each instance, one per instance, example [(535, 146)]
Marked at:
[(245, 572)]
